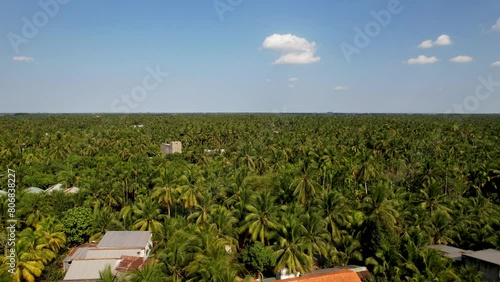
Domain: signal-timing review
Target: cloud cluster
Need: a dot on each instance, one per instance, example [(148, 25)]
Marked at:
[(462, 59), (23, 59), (422, 60), (340, 88), (496, 64), (442, 40), (292, 80), (293, 49), (496, 27)]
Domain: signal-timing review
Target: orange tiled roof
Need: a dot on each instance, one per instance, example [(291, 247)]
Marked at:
[(337, 276)]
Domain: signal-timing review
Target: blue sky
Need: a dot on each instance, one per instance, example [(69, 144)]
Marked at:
[(250, 56)]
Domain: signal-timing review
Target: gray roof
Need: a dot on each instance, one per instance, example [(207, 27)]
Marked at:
[(111, 253), (489, 255), (125, 239), (89, 269), (72, 190), (34, 190), (57, 187), (449, 251), (80, 253)]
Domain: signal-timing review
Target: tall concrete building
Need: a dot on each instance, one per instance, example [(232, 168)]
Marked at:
[(172, 147)]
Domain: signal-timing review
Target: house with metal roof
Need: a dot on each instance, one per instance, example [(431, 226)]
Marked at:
[(33, 190), (72, 190), (450, 252), (54, 188), (486, 261), (88, 270), (121, 250)]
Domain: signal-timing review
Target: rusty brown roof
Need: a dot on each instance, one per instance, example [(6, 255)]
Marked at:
[(130, 263)]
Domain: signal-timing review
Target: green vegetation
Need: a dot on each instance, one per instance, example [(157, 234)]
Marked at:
[(295, 191)]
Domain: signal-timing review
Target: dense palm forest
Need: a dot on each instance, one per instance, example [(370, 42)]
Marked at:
[(296, 191)]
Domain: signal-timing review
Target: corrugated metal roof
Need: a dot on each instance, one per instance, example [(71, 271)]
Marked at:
[(89, 269), (451, 252), (72, 190), (489, 255), (78, 254), (130, 263), (124, 239), (111, 253), (57, 187), (34, 190)]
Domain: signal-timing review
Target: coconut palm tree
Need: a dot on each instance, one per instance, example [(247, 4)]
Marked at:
[(50, 234), (294, 247), (152, 271), (103, 221), (165, 188), (148, 215), (305, 186), (261, 217)]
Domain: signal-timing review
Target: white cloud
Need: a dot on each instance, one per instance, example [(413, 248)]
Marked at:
[(291, 85), (496, 64), (462, 59), (422, 60), (297, 59), (294, 49), (23, 59), (442, 40), (293, 79), (287, 43), (496, 27), (426, 44), (340, 88)]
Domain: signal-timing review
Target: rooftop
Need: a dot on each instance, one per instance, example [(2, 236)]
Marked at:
[(451, 252), (102, 253), (56, 187), (130, 263), (72, 190), (79, 252), (89, 269), (125, 239), (489, 255), (34, 190), (335, 276)]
